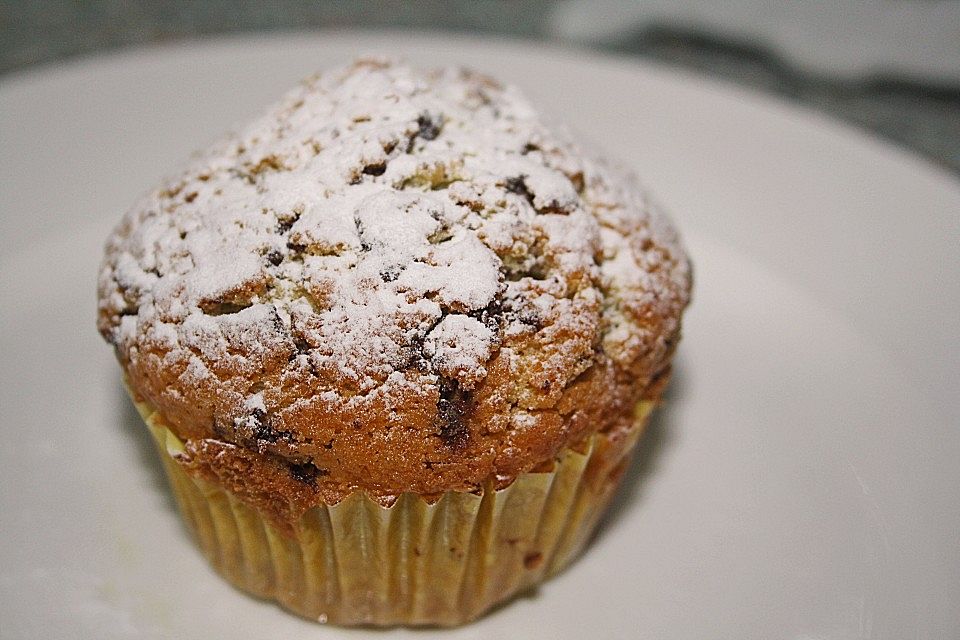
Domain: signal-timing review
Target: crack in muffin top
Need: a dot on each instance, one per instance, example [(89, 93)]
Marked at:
[(396, 280)]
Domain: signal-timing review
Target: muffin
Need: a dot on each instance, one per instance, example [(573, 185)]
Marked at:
[(395, 341)]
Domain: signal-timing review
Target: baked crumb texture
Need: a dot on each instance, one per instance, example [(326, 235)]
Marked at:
[(394, 281)]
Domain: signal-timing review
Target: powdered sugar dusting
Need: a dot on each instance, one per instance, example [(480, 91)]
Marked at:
[(458, 347), (383, 227)]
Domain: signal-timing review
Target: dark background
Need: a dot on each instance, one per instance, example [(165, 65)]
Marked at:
[(888, 67)]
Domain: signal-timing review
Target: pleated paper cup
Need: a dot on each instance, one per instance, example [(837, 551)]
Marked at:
[(415, 562)]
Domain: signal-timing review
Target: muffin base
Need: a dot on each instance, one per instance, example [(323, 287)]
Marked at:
[(440, 563)]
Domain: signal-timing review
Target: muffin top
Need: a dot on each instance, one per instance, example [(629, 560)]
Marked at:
[(393, 281)]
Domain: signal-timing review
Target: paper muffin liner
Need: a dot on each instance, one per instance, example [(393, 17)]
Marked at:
[(414, 562)]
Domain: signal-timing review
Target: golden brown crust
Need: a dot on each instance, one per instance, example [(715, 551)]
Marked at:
[(527, 296)]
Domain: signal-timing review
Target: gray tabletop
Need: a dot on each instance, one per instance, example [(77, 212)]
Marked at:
[(917, 110)]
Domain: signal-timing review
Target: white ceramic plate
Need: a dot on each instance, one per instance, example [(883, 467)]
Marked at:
[(803, 482)]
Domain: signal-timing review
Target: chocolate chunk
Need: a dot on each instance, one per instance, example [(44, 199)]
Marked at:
[(261, 426), (518, 185), (429, 128), (307, 472), (453, 408), (531, 316), (275, 258), (364, 242), (301, 344), (490, 315), (257, 426), (375, 169), (391, 273), (277, 321), (285, 224)]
